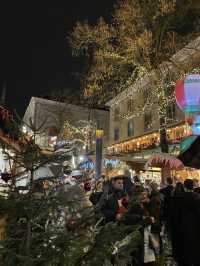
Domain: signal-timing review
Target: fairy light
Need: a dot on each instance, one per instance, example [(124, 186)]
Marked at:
[(174, 135)]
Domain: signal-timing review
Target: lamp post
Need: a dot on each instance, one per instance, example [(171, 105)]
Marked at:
[(99, 145)]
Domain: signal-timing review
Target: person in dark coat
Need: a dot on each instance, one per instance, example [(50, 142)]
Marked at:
[(185, 226), (196, 186), (128, 186), (176, 203), (113, 208), (178, 190), (167, 193), (155, 207)]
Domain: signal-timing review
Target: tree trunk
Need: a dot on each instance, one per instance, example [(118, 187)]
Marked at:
[(163, 137), (164, 148), (28, 237), (163, 141)]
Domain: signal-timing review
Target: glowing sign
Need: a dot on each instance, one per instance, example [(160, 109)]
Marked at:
[(99, 133)]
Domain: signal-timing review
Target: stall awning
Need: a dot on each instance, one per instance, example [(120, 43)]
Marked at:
[(164, 160)]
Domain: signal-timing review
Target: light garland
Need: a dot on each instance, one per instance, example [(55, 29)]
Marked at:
[(174, 135), (83, 132), (141, 110)]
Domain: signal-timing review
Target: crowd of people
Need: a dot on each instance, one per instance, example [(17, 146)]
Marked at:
[(171, 213)]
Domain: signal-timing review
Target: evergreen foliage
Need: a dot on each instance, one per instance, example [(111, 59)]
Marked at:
[(54, 225)]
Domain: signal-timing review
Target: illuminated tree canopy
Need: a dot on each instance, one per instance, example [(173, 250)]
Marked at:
[(139, 36)]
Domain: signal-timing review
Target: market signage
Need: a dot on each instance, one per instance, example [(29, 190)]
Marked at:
[(99, 133)]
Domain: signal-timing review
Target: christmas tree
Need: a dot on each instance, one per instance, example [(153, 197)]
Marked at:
[(49, 223)]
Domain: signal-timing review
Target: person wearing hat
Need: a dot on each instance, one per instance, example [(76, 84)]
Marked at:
[(185, 229)]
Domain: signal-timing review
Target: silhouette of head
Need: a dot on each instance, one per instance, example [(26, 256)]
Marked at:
[(189, 184)]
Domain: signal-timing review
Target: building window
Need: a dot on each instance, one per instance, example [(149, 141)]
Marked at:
[(146, 95), (147, 121), (130, 106), (116, 114), (130, 128), (53, 131), (116, 134), (98, 123), (171, 111)]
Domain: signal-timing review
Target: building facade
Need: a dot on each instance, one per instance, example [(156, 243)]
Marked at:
[(48, 117), (134, 131)]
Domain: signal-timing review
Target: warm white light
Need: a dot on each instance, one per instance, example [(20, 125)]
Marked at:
[(73, 162), (52, 141), (81, 158), (24, 129)]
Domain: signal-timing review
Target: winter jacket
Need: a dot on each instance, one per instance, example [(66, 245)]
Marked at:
[(167, 192), (111, 206), (185, 227)]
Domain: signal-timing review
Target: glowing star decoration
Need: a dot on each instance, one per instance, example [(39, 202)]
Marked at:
[(187, 94), (196, 126)]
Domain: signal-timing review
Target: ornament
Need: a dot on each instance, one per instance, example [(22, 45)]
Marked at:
[(187, 94), (6, 177), (71, 224), (125, 202), (87, 187)]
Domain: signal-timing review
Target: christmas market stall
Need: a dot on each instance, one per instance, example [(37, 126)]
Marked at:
[(177, 168), (168, 165), (163, 160)]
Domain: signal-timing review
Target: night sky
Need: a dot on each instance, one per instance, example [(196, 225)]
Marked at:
[(35, 56)]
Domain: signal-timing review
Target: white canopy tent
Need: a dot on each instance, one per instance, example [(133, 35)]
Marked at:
[(41, 173)]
